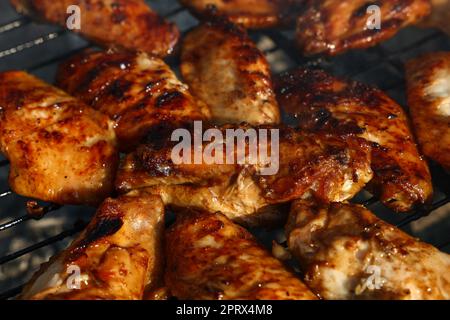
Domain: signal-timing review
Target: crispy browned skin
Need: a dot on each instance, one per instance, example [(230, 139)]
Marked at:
[(253, 14), (137, 91), (330, 168), (211, 258), (428, 80), (129, 24), (346, 252), (323, 103), (60, 150), (118, 255), (223, 67), (334, 26), (440, 15)]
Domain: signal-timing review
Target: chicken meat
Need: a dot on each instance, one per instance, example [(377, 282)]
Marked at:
[(440, 15), (428, 80), (346, 252), (117, 257), (60, 150), (211, 258), (333, 26), (234, 175), (254, 14), (319, 102), (128, 24), (224, 68), (139, 92)]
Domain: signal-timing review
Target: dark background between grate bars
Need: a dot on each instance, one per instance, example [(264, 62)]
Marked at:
[(38, 48)]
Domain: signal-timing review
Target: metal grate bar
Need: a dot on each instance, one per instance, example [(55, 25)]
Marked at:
[(29, 216), (77, 228), (11, 293), (423, 212), (58, 58), (33, 43), (22, 21)]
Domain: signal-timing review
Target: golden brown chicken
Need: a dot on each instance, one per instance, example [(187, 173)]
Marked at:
[(60, 150), (128, 24), (211, 258), (224, 68), (440, 15), (323, 103), (429, 104), (234, 175), (346, 252), (117, 257), (139, 92), (334, 26), (253, 14)]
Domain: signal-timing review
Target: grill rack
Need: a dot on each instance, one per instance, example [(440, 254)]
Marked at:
[(281, 42)]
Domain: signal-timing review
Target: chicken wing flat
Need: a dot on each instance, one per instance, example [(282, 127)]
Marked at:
[(60, 150), (323, 103), (253, 14), (346, 252), (428, 80), (330, 168), (139, 92), (334, 26), (128, 24), (224, 68), (211, 258), (118, 256)]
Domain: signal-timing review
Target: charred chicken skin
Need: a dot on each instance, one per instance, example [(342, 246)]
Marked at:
[(322, 103), (346, 252), (211, 258), (60, 150), (428, 80), (139, 92), (254, 14), (330, 168), (224, 68), (128, 24), (119, 255), (334, 26)]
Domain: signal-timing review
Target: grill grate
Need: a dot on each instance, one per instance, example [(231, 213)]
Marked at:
[(375, 66)]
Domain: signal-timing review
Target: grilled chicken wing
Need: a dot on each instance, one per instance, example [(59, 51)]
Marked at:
[(253, 14), (346, 252), (119, 255), (429, 103), (223, 67), (60, 150), (211, 258), (248, 192), (137, 91), (333, 26), (440, 15), (128, 24), (323, 103)]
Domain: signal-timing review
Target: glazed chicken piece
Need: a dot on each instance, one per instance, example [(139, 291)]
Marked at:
[(253, 14), (346, 252), (137, 91), (223, 67), (128, 24), (334, 26), (60, 150), (440, 15), (429, 104), (322, 103), (233, 179), (118, 256), (211, 258)]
